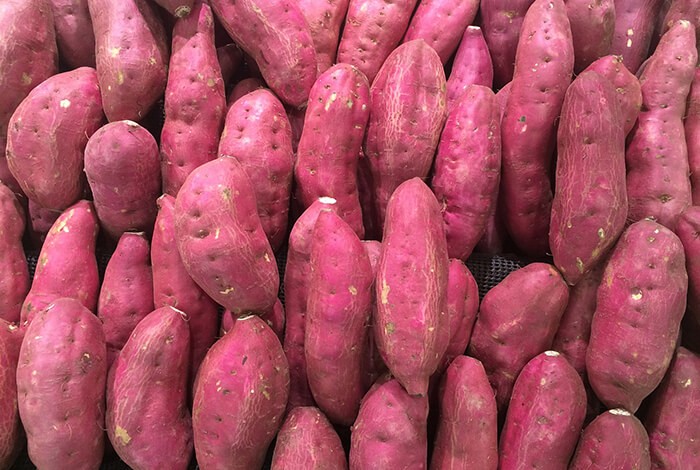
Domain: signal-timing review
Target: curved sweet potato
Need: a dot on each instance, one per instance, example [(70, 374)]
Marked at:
[(692, 136), (14, 271)]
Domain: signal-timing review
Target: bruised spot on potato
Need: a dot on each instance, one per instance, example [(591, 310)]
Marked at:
[(121, 434), (353, 290), (152, 60)]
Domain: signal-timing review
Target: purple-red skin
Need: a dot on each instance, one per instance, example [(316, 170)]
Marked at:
[(462, 308), (634, 29), (544, 65), (230, 58), (122, 165), (441, 23), (467, 430), (501, 21), (244, 87), (278, 38), (692, 136), (672, 417), (11, 431), (195, 99), (61, 378), (683, 10), (74, 35), (688, 230), (592, 29), (365, 187), (233, 427), (472, 65), (517, 320), (275, 319), (331, 141), (67, 266), (467, 169), (390, 430), (47, 135), (338, 309), (372, 30), (325, 18), (177, 8), (132, 52), (14, 271), (409, 110), (39, 223), (640, 304), (147, 419), (545, 415), (307, 440), (296, 118), (373, 366), (126, 294), (658, 185), (258, 134), (411, 325), (614, 440)]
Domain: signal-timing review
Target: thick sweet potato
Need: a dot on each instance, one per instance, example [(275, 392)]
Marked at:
[(11, 430), (592, 29), (634, 28), (48, 133), (472, 65), (195, 99), (123, 169), (74, 35), (177, 8), (240, 395), (14, 272), (687, 229), (61, 378), (411, 326), (692, 136), (329, 149), (325, 18), (640, 303)]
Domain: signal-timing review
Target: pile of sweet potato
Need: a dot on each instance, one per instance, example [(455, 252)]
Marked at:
[(370, 147)]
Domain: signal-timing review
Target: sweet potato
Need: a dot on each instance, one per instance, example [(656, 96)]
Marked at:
[(123, 170), (545, 415), (688, 10), (408, 112), (14, 272), (441, 23), (67, 266), (517, 320), (275, 319), (329, 149), (615, 440), (126, 294), (177, 8), (258, 134), (687, 229), (61, 378), (374, 365), (230, 59), (462, 307), (544, 64), (195, 99), (240, 396), (692, 133), (372, 30), (658, 185), (672, 417), (278, 38), (640, 303), (592, 30), (365, 187), (325, 18), (411, 326), (74, 35), (468, 169), (244, 87), (11, 429), (472, 65), (307, 440), (48, 133), (147, 419), (39, 222), (634, 28)]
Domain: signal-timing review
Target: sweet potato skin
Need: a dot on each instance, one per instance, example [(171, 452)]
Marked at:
[(592, 30), (634, 28), (244, 87), (640, 303), (687, 229), (692, 133), (74, 34), (177, 8), (374, 365), (462, 307), (63, 345), (14, 271), (472, 65), (275, 319), (10, 425), (325, 18)]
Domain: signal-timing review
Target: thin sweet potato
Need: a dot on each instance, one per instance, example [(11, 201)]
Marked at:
[(692, 136), (14, 271), (634, 28), (472, 65), (74, 34), (374, 365), (688, 229), (11, 431), (325, 18)]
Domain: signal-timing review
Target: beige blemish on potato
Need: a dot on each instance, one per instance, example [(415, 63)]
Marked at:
[(331, 100), (687, 383), (385, 292), (114, 51), (579, 264), (636, 294), (226, 291), (217, 232), (349, 104), (120, 78), (121, 434), (601, 233), (64, 104), (152, 60), (267, 257), (389, 328), (353, 290), (211, 83), (26, 79)]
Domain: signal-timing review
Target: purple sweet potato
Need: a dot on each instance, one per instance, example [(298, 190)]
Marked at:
[(672, 417), (592, 29), (275, 319), (408, 113), (468, 169), (545, 415), (325, 18), (692, 136), (195, 99), (230, 59), (74, 35), (467, 431), (544, 64), (39, 222), (14, 272), (517, 320), (48, 133), (411, 326), (658, 185), (126, 294), (177, 8), (244, 87), (640, 304), (390, 430), (634, 28), (296, 118), (221, 239), (615, 440), (372, 30), (365, 188), (329, 149), (240, 396), (61, 378), (472, 65), (278, 38), (374, 365), (441, 23), (67, 266), (12, 439), (688, 10), (258, 134), (147, 419), (307, 440), (123, 169), (688, 229)]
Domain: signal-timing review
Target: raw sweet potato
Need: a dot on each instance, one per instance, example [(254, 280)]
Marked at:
[(244, 87), (692, 136), (634, 28), (74, 35), (329, 149), (374, 365), (240, 396), (61, 378), (640, 303), (592, 30), (325, 18), (39, 222), (177, 8), (688, 10), (688, 229), (11, 431), (230, 59), (411, 326), (123, 169), (472, 65), (14, 272), (195, 99), (275, 319), (48, 133)]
